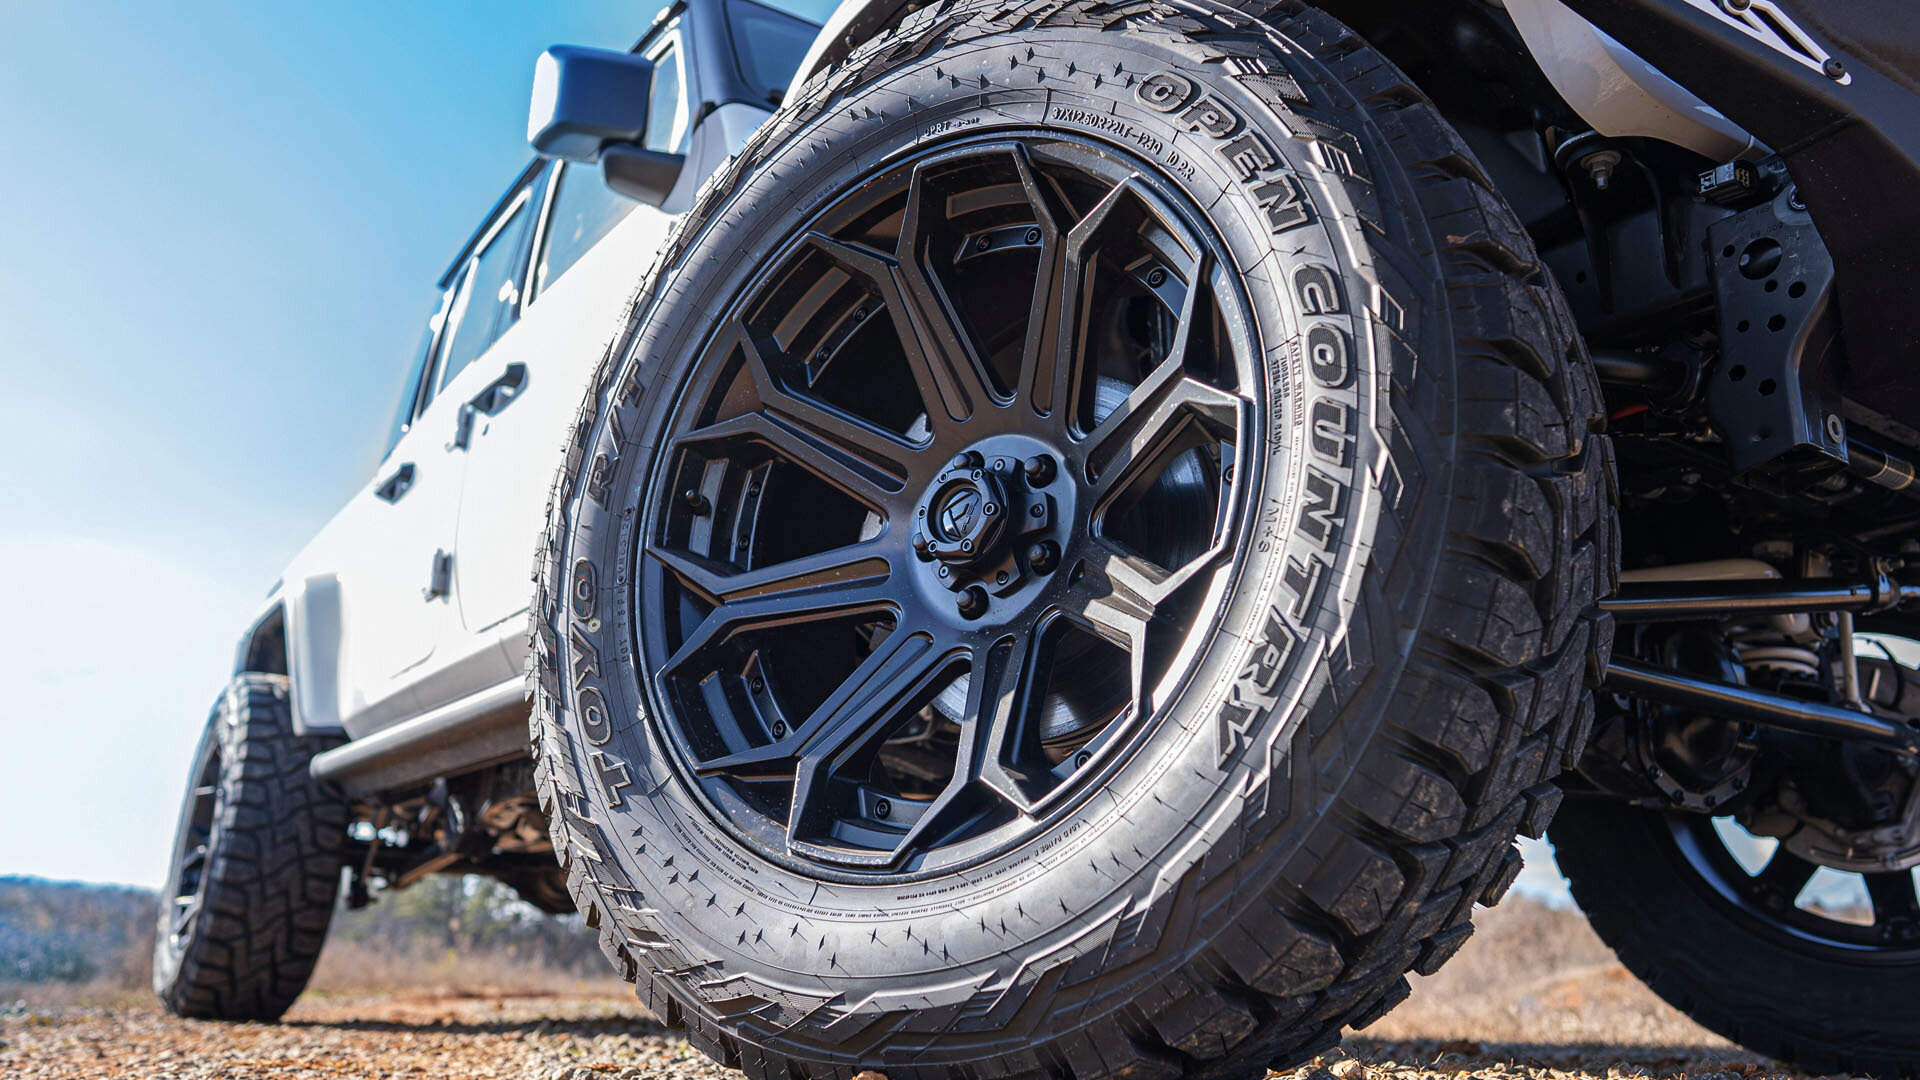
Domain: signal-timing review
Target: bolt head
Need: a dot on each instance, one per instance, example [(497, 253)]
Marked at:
[(1033, 236), (779, 729), (972, 602), (1835, 68), (1043, 556), (1040, 469), (1156, 277), (882, 808)]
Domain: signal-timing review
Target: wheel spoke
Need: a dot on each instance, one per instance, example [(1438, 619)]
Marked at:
[(1894, 902), (830, 750), (1121, 591), (872, 446), (860, 705), (1784, 876), (937, 348), (859, 477), (998, 754), (816, 589), (184, 910), (1169, 413), (795, 581), (1048, 315)]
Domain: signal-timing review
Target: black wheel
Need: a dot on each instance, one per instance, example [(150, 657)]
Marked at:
[(256, 864), (1080, 561), (1732, 930)]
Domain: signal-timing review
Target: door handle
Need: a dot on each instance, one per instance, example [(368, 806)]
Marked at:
[(396, 485), (495, 396)]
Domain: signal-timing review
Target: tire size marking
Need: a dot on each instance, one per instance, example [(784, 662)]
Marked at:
[(1323, 351)]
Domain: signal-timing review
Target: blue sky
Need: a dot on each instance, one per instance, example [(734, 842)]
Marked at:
[(221, 224)]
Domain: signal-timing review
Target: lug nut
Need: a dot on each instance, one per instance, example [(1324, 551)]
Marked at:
[(965, 459), (1043, 557), (1040, 470), (921, 547), (696, 502), (972, 602)]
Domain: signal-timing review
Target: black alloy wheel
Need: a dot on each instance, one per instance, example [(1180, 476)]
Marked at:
[(920, 537), (1886, 929), (193, 843)]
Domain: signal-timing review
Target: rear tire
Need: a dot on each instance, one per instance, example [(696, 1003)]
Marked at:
[(1318, 806), (1827, 1008), (256, 864)]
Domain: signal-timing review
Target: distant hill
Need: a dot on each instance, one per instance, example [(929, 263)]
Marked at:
[(72, 932)]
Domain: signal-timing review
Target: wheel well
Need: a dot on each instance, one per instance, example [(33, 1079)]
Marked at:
[(265, 647)]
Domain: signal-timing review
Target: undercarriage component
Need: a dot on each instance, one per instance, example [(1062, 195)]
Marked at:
[(1680, 601), (1775, 392), (485, 728), (1632, 677)]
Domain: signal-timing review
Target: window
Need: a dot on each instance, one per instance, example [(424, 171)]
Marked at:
[(489, 294), (768, 45), (418, 389), (667, 111), (584, 210)]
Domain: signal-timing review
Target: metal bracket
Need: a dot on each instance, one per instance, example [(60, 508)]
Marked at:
[(1774, 391)]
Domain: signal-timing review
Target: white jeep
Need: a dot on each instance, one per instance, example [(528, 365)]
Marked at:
[(1066, 538)]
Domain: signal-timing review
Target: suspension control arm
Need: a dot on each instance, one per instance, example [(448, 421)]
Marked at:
[(1679, 601), (1631, 677)]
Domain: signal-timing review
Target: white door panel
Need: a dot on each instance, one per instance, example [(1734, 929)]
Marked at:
[(560, 338), (391, 624)]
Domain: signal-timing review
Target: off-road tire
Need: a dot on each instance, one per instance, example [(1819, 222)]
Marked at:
[(1818, 1008), (1289, 863), (272, 865)]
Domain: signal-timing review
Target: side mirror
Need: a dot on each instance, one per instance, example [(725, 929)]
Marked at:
[(590, 105), (584, 99)]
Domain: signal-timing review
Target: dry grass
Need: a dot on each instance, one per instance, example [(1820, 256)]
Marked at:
[(350, 967)]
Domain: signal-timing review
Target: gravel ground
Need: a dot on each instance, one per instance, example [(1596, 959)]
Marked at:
[(413, 1034), (1533, 996)]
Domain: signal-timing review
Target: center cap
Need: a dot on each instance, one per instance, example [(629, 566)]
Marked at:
[(965, 512)]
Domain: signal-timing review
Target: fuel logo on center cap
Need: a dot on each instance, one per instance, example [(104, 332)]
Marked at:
[(960, 513)]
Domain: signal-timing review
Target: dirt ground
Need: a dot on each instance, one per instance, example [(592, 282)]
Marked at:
[(1533, 997)]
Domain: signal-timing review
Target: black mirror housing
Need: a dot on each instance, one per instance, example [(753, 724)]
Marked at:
[(584, 99), (646, 176)]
